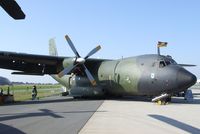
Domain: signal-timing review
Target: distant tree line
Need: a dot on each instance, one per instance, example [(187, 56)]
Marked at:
[(30, 83)]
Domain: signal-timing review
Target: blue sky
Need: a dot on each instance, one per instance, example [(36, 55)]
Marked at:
[(123, 28)]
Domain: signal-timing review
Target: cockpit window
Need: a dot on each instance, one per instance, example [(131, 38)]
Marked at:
[(173, 61), (162, 64), (167, 62)]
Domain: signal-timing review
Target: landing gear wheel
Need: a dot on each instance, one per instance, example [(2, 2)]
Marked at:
[(164, 101), (161, 102)]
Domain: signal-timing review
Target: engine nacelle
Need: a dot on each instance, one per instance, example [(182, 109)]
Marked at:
[(68, 61), (81, 87)]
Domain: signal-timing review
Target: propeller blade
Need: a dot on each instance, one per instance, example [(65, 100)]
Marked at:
[(90, 77), (66, 70), (72, 46), (93, 51)]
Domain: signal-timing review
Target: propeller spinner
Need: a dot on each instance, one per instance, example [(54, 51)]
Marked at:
[(79, 61)]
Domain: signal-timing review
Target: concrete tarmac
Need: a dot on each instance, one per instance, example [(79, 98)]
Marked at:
[(52, 115), (63, 115), (140, 117)]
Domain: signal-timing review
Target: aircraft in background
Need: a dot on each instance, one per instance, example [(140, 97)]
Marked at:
[(12, 8), (152, 75)]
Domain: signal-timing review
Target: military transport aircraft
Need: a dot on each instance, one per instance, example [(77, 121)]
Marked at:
[(12, 8), (153, 75)]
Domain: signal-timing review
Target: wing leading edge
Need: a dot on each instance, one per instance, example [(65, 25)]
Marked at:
[(31, 64)]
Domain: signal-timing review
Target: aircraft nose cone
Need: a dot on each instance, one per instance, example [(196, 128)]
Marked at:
[(185, 79)]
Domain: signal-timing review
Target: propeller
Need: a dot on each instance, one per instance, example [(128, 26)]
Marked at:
[(79, 61)]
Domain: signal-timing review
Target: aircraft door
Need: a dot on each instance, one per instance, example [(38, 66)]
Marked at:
[(148, 84), (156, 82), (156, 78)]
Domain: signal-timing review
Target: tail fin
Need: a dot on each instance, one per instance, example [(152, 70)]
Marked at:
[(52, 48)]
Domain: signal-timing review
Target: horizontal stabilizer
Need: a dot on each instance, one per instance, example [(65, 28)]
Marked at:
[(25, 73), (187, 65)]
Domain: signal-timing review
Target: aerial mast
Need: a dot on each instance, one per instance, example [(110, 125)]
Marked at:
[(161, 44)]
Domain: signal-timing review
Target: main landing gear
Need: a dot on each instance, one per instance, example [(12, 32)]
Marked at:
[(188, 95)]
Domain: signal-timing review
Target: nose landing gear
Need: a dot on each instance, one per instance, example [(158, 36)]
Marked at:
[(163, 99)]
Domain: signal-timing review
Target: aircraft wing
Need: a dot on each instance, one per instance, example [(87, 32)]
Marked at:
[(12, 8), (31, 64)]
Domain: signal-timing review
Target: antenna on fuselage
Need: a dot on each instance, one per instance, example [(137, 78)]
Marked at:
[(161, 44)]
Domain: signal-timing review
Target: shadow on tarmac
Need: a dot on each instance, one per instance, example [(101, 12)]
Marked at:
[(196, 94), (182, 101), (5, 128), (56, 100), (175, 100), (43, 112), (177, 124), (134, 98)]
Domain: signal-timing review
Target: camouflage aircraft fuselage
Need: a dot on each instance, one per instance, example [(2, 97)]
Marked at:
[(142, 75), (151, 75)]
